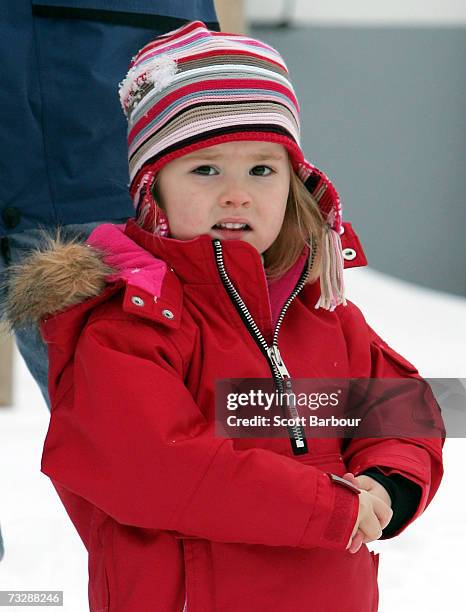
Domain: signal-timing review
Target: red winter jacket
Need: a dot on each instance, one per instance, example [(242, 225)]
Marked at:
[(173, 516)]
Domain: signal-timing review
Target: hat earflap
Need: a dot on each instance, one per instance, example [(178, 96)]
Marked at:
[(149, 214), (332, 288)]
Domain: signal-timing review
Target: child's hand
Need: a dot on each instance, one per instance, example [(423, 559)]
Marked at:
[(374, 513), (372, 486)]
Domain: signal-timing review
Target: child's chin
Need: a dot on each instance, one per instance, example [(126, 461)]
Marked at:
[(246, 236)]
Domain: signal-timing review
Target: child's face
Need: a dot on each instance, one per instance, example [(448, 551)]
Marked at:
[(242, 182)]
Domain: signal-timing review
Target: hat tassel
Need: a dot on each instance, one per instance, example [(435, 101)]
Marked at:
[(332, 289)]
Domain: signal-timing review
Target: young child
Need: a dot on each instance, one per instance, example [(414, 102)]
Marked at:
[(232, 268)]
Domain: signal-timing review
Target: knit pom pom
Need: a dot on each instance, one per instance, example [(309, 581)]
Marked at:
[(332, 290), (158, 71)]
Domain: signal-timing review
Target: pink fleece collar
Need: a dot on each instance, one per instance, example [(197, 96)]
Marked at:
[(134, 265), (280, 289)]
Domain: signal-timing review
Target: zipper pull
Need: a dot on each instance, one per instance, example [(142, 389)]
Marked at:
[(297, 437), (277, 360)]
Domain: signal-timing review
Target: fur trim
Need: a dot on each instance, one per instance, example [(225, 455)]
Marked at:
[(60, 275)]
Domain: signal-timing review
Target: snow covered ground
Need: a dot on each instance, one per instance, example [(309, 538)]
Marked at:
[(423, 569)]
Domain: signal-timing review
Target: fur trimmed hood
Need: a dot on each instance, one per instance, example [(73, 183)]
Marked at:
[(68, 273), (61, 274)]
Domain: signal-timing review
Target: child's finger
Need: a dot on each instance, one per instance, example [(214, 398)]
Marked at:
[(371, 526), (351, 478), (356, 543), (383, 512), (364, 482)]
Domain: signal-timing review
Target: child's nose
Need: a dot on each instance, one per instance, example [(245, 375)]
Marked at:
[(235, 197)]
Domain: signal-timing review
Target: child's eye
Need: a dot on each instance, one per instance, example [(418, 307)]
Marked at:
[(262, 171), (205, 170)]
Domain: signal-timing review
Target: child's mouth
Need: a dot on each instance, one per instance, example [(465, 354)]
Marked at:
[(231, 230)]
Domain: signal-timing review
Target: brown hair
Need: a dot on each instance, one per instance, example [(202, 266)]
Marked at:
[(302, 225)]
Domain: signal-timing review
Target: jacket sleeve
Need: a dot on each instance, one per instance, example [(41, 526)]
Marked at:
[(126, 435), (419, 459)]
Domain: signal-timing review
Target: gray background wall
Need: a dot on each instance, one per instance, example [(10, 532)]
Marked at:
[(384, 115)]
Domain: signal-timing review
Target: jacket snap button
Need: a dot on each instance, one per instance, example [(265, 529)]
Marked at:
[(168, 314), (137, 301), (349, 254)]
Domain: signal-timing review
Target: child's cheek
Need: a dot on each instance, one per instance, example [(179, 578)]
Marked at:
[(188, 223)]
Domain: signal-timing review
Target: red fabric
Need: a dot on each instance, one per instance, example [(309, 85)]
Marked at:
[(350, 240), (166, 509)]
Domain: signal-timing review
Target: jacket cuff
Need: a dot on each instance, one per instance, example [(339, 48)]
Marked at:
[(405, 496), (335, 513)]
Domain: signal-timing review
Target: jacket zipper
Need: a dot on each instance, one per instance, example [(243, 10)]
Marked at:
[(279, 371)]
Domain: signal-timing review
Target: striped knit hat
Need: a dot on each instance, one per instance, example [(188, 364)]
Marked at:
[(193, 88)]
